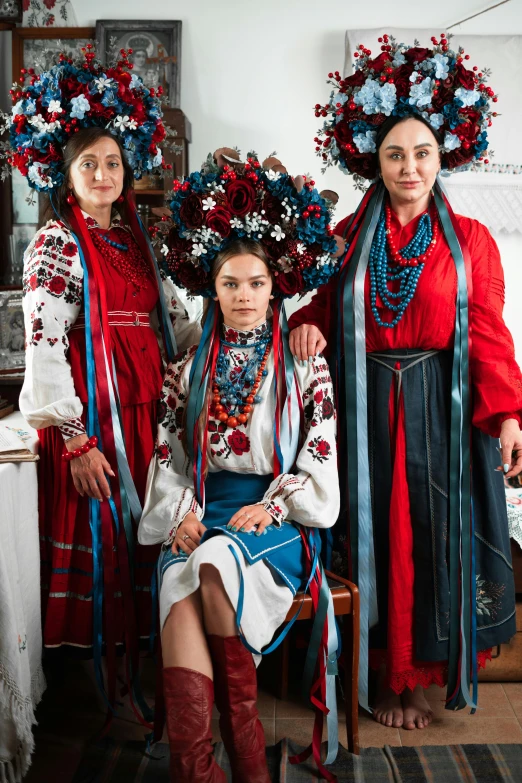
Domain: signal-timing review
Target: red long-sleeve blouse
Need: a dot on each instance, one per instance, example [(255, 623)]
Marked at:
[(429, 320)]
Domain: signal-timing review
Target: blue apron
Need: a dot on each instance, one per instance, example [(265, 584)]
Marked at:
[(280, 547)]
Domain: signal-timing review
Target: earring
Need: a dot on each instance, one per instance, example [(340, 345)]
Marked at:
[(120, 199), (70, 198)]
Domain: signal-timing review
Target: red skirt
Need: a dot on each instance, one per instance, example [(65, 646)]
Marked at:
[(66, 540)]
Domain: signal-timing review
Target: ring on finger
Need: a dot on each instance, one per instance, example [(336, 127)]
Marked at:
[(184, 538)]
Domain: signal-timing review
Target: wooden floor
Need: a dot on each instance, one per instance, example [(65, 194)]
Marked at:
[(71, 712)]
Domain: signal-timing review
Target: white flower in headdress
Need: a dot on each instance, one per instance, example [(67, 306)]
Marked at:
[(103, 84), (278, 233), (164, 250), (198, 249), (54, 107), (208, 203), (236, 223), (132, 125), (301, 247), (122, 122), (272, 175)]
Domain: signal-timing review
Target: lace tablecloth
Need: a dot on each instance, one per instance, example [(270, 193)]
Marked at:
[(22, 681), (514, 509)]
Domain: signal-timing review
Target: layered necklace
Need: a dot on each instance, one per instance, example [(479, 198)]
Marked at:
[(235, 387), (389, 265), (124, 255)]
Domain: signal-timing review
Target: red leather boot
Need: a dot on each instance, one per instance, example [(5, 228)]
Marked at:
[(235, 686), (189, 696)]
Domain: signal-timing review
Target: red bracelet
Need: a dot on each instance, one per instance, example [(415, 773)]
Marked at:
[(67, 456)]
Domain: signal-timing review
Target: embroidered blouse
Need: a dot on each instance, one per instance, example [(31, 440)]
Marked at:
[(309, 496), (429, 320), (54, 386)]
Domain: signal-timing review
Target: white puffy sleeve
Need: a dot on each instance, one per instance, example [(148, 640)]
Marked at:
[(186, 332), (311, 496), (169, 496), (53, 292)]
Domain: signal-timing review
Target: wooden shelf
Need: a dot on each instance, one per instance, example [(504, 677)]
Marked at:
[(143, 192)]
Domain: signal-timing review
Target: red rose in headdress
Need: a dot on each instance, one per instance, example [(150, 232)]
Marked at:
[(357, 79), (364, 164), (290, 283), (191, 211), (218, 219), (273, 209), (465, 77), (459, 157), (241, 197), (416, 54), (379, 62), (401, 78), (178, 244), (343, 134), (193, 277), (443, 97)]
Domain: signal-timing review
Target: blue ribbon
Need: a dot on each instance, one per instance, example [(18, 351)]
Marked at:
[(359, 494), (286, 446)]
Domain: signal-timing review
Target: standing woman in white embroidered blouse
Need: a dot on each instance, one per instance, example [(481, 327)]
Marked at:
[(93, 305), (245, 458)]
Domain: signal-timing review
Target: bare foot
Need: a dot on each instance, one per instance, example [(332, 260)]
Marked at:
[(388, 709), (417, 711)]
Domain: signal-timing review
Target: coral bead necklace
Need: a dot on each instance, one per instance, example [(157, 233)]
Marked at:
[(235, 390), (390, 265), (125, 255)]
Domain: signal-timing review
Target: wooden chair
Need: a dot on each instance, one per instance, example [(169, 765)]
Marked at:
[(346, 604)]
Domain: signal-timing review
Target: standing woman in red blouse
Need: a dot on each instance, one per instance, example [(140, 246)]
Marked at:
[(426, 378), (97, 323)]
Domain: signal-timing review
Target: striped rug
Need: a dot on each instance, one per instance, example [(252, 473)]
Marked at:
[(109, 761)]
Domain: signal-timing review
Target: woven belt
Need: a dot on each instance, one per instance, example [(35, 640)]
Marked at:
[(117, 318), (411, 358)]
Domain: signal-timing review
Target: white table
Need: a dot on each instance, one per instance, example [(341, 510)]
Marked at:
[(21, 677)]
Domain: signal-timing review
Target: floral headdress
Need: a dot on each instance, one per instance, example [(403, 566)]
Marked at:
[(51, 107), (431, 83), (229, 200)]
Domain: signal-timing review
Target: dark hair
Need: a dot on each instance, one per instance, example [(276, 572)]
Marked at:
[(81, 141), (390, 123)]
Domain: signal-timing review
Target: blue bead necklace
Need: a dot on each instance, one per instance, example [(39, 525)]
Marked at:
[(235, 388), (404, 266), (112, 243)]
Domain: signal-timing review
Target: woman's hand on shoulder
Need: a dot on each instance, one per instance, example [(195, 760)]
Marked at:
[(306, 341), (511, 444), (88, 471), (244, 520), (188, 535)]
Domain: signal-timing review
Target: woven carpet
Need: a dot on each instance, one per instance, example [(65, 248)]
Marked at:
[(109, 761)]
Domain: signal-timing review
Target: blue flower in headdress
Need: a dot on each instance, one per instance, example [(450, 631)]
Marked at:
[(467, 97), (435, 120), (420, 94), (451, 141), (375, 99), (79, 105), (365, 142), (399, 59), (440, 63)]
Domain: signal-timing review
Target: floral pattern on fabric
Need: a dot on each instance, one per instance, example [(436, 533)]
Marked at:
[(240, 337), (320, 449), (172, 399), (489, 597)]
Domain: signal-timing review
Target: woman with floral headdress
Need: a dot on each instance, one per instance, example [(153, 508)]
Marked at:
[(425, 369), (96, 324), (245, 465)]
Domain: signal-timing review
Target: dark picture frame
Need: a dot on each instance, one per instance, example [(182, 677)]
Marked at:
[(11, 11), (12, 332), (26, 43), (156, 49)]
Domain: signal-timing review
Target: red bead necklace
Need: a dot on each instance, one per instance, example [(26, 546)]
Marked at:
[(396, 255), (129, 263), (218, 410)]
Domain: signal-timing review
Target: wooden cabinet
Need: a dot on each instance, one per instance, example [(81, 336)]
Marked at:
[(151, 191)]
